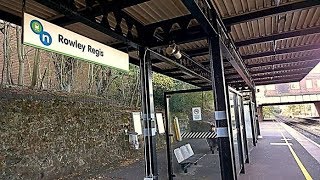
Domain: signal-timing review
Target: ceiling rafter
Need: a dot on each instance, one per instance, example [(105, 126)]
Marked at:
[(274, 37), (282, 51), (274, 73), (271, 69), (270, 12), (286, 61), (70, 14), (278, 81), (103, 7)]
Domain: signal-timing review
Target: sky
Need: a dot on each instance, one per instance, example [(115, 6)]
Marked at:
[(316, 69)]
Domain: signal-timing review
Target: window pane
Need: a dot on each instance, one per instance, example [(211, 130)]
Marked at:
[(295, 85), (309, 84), (271, 87)]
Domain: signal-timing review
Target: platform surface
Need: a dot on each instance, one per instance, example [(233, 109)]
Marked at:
[(272, 158)]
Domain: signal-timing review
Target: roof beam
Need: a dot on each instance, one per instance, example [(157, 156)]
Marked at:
[(282, 51), (168, 23), (281, 68), (279, 79), (270, 12), (198, 52), (268, 82), (195, 70), (286, 61), (199, 15), (302, 59), (167, 73), (10, 17), (163, 38), (272, 69), (158, 70), (180, 36), (104, 7), (274, 37), (273, 74), (86, 20), (209, 21)]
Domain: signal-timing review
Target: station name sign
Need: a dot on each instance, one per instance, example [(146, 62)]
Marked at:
[(42, 34)]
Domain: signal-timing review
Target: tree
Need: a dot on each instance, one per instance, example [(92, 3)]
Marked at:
[(104, 78), (64, 67), (35, 71), (161, 83), (20, 52), (268, 111), (6, 69)]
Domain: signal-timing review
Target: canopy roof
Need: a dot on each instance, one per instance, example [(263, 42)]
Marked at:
[(277, 41)]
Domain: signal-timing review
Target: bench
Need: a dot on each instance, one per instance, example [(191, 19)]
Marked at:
[(185, 157)]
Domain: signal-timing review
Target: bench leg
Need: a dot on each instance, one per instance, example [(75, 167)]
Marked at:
[(212, 150), (184, 168)]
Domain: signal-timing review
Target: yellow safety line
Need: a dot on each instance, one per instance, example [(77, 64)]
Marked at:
[(301, 166)]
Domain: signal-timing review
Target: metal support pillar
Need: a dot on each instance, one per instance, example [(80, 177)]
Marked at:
[(221, 110), (168, 136), (254, 99), (245, 140), (252, 119), (148, 115)]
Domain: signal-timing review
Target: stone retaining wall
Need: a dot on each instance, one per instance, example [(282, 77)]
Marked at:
[(52, 138)]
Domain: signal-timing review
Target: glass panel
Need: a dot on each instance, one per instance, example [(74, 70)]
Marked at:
[(191, 137), (234, 132), (247, 119), (241, 121)]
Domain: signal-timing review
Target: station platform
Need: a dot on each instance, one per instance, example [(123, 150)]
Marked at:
[(281, 154)]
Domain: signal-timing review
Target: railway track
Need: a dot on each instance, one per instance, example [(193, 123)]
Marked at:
[(308, 127)]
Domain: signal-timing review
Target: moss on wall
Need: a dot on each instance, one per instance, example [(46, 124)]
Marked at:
[(45, 139)]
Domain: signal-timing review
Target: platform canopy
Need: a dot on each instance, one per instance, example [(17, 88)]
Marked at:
[(275, 41)]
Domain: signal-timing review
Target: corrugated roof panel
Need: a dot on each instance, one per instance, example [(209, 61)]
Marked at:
[(164, 66), (256, 48), (297, 41), (229, 8), (194, 45), (201, 58), (32, 7), (275, 24), (90, 33), (282, 57), (157, 10)]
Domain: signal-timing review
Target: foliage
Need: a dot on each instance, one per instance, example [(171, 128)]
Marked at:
[(297, 110), (161, 84), (185, 102), (270, 111), (38, 69)]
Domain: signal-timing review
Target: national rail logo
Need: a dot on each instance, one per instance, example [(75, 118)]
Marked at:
[(44, 36)]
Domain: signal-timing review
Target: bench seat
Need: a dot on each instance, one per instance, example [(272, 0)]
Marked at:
[(185, 156)]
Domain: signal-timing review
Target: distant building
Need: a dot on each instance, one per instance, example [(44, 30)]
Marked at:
[(308, 85), (308, 88)]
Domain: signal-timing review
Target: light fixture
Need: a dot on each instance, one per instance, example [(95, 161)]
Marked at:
[(173, 50)]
